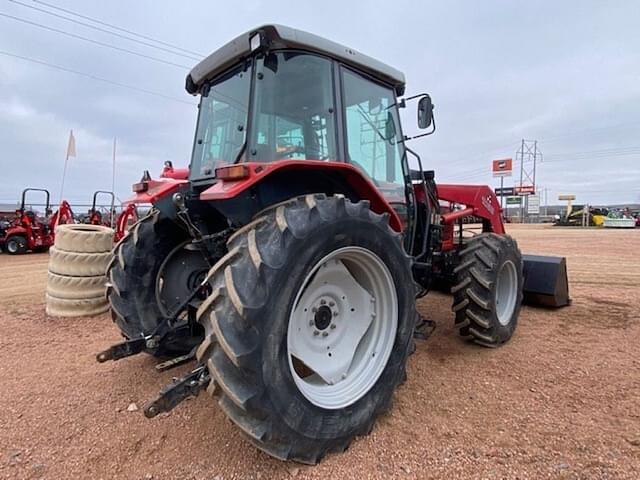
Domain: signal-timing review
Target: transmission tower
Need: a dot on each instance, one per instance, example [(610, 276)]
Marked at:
[(529, 155)]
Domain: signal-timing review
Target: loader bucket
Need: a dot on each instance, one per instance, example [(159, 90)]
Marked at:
[(545, 281)]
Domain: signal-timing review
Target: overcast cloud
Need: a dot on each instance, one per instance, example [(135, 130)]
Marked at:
[(564, 73)]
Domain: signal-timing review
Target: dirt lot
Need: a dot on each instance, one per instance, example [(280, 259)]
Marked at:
[(561, 400)]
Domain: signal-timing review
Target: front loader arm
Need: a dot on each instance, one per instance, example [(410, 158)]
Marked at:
[(479, 201)]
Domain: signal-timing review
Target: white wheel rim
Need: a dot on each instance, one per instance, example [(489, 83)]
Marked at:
[(342, 327), (506, 292), (12, 246)]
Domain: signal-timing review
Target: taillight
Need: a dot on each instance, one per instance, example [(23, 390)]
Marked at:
[(232, 172)]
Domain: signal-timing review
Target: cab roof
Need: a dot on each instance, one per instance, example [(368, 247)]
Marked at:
[(281, 37)]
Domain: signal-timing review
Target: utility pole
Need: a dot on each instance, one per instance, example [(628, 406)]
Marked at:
[(528, 154)]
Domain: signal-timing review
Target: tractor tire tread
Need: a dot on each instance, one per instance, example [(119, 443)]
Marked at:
[(231, 348), (78, 264), (76, 288), (473, 294), (85, 307)]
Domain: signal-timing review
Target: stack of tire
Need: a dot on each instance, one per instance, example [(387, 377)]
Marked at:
[(76, 284)]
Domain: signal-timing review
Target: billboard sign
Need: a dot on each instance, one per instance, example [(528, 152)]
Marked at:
[(567, 198), (533, 205), (502, 168), (525, 190), (505, 191)]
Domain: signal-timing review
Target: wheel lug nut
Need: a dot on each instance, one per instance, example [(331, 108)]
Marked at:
[(311, 322), (315, 333), (333, 326), (323, 302), (335, 314), (314, 310), (324, 334), (332, 304)]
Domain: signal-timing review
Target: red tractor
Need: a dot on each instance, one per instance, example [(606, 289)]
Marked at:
[(289, 260), (100, 215), (29, 232), (120, 223)]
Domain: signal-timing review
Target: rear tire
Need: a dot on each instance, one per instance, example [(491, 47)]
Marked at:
[(16, 245), (248, 319), (488, 290), (132, 278)]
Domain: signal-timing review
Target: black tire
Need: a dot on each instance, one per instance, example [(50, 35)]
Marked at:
[(16, 245), (475, 291), (246, 320), (132, 275)]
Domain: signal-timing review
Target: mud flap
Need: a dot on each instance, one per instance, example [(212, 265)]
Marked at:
[(545, 281)]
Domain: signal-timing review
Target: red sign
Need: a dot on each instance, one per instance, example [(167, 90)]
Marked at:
[(525, 190), (502, 168)]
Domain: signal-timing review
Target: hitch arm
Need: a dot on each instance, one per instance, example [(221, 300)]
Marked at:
[(188, 385), (122, 350)]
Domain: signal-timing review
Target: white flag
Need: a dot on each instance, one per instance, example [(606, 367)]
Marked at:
[(71, 147)]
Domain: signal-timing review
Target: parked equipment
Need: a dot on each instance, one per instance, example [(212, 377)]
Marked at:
[(582, 216), (97, 215), (288, 262), (29, 232), (120, 222), (620, 219), (127, 217)]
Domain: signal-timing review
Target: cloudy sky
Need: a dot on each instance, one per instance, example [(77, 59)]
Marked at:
[(564, 73)]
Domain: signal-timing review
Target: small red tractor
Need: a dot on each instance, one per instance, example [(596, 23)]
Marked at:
[(28, 232), (101, 215), (288, 259), (120, 223)]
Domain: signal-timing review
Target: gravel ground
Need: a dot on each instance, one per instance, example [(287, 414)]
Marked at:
[(561, 400)]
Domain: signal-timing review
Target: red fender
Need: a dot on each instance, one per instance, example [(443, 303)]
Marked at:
[(256, 172), (16, 230), (155, 190)]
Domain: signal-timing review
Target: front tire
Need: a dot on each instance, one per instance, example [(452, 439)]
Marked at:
[(16, 245), (260, 289), (488, 290)]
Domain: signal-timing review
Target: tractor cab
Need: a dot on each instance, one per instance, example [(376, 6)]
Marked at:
[(278, 94)]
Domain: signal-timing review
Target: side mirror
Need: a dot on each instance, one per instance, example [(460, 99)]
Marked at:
[(425, 112)]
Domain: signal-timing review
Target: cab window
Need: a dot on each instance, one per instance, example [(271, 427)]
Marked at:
[(293, 109), (373, 134)]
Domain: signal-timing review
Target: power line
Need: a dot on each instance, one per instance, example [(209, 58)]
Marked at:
[(80, 37), (481, 155), (151, 45), (616, 151), (94, 77), (587, 131), (115, 27)]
